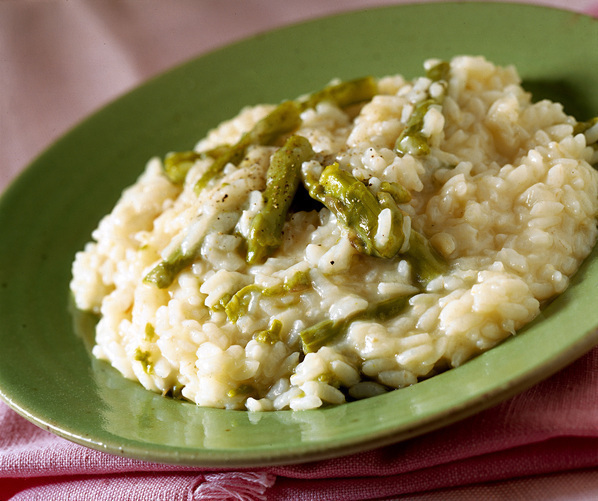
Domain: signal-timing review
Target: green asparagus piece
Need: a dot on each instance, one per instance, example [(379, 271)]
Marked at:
[(244, 390), (281, 120), (150, 333), (426, 263), (399, 193), (299, 281), (282, 180), (286, 117), (343, 94), (271, 335), (321, 334), (326, 331), (144, 358), (164, 273), (439, 72), (357, 209), (236, 306), (582, 127), (411, 141), (177, 164)]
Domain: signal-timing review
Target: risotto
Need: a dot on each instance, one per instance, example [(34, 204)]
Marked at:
[(344, 244)]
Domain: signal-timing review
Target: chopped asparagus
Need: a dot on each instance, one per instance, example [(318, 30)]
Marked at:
[(343, 94), (426, 263), (238, 303), (358, 210), (282, 180), (177, 164), (326, 331), (296, 282), (243, 390), (412, 141), (271, 335), (321, 334), (281, 120), (236, 306), (164, 273), (399, 193), (439, 72), (144, 358), (150, 333)]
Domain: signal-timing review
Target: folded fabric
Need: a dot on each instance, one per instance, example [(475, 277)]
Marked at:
[(551, 427)]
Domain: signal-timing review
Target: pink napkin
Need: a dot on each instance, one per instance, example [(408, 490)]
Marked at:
[(542, 444), (552, 427)]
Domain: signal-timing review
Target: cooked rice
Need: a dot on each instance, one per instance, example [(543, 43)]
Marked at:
[(507, 196)]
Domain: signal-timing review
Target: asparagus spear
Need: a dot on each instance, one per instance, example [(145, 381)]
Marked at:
[(399, 193), (271, 335), (358, 210), (426, 263), (321, 334), (281, 120), (439, 72), (343, 94), (236, 305), (326, 331), (411, 140), (177, 164), (282, 180), (286, 117), (164, 273), (265, 234)]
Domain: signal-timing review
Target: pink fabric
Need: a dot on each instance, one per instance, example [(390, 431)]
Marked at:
[(552, 427), (542, 444)]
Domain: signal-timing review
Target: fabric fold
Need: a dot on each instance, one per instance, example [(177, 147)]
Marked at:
[(549, 428)]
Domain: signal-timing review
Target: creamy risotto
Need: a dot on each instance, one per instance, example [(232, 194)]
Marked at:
[(344, 244)]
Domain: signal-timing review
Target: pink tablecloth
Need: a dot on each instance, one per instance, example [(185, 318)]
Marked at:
[(508, 452), (59, 60)]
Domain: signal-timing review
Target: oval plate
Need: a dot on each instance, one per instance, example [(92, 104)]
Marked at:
[(46, 371)]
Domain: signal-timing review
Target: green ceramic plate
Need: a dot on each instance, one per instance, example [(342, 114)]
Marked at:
[(46, 371)]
